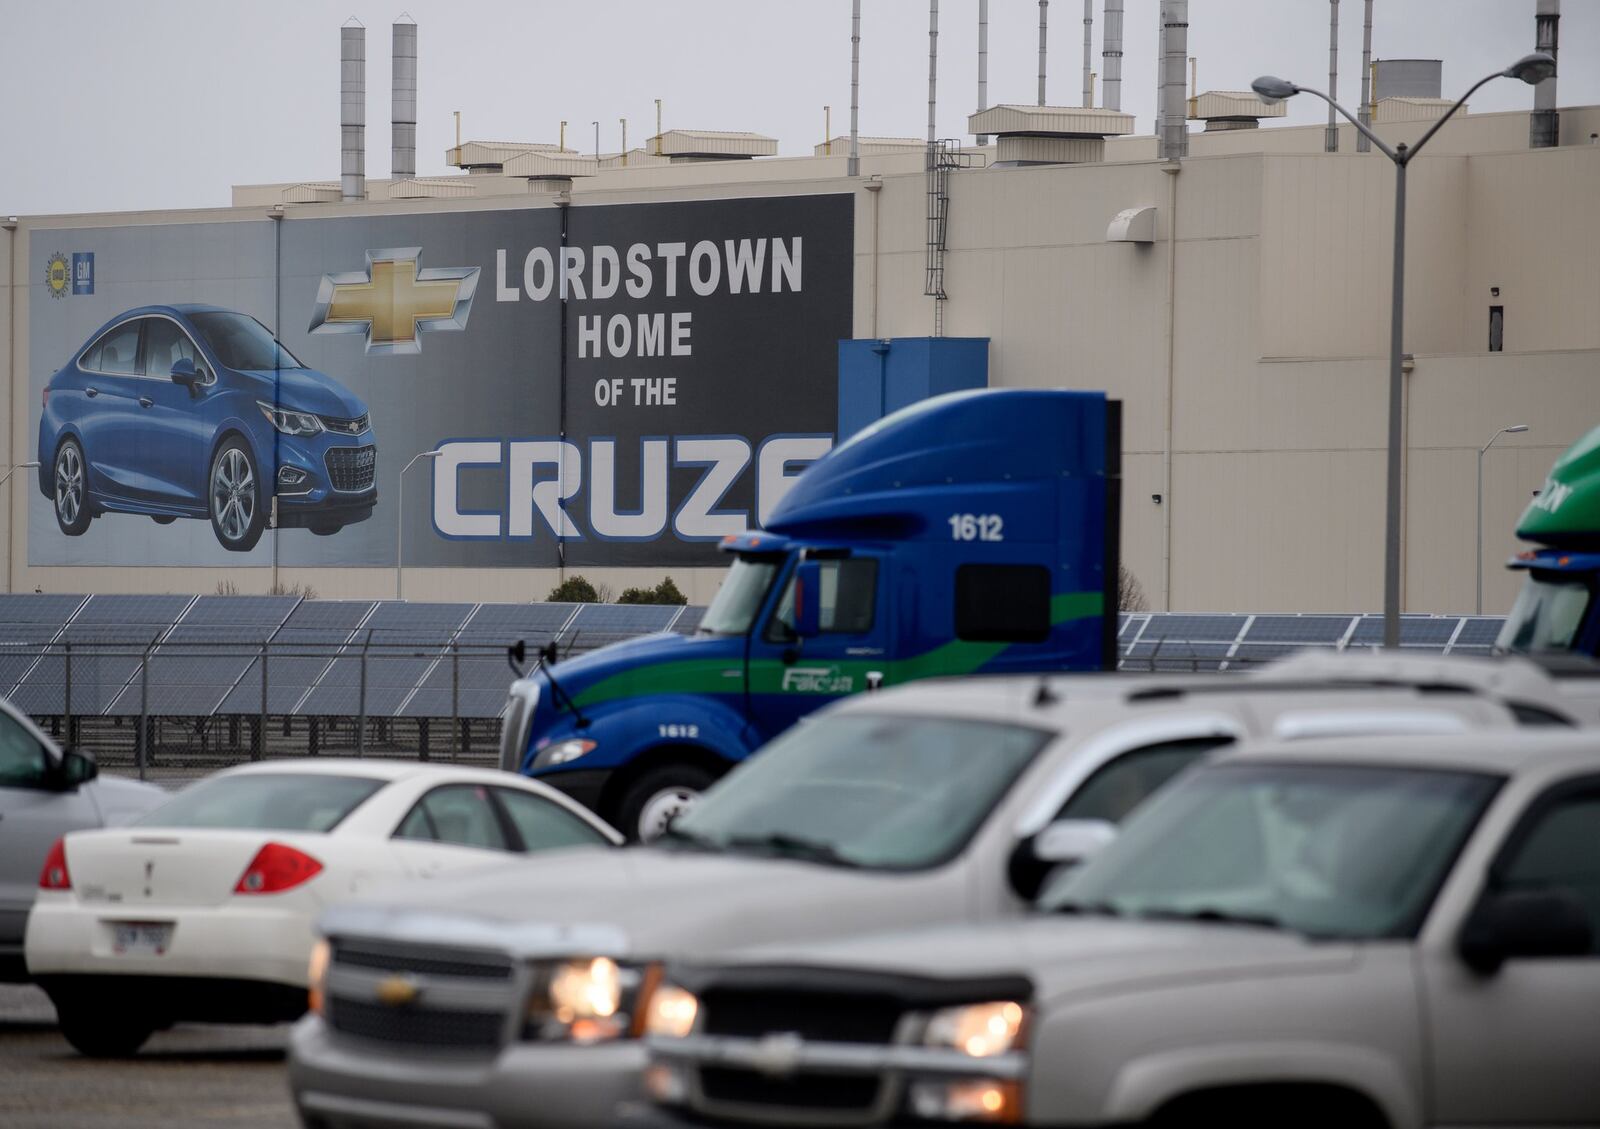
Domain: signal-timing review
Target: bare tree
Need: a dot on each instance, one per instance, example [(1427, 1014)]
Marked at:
[(1130, 593)]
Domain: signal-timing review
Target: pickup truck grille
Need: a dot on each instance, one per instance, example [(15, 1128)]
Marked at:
[(425, 997), (838, 1092), (417, 1027), (833, 1017)]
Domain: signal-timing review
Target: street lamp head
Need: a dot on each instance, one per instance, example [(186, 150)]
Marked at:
[(1517, 429), (1532, 69), (430, 454), (1270, 88)]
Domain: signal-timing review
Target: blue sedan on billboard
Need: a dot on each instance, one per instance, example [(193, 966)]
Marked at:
[(194, 411)]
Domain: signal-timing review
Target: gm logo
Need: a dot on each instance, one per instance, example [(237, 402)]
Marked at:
[(393, 302)]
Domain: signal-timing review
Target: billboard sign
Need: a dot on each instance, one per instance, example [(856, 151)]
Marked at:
[(611, 385)]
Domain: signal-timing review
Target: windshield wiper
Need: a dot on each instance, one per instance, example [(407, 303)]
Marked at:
[(1213, 915), (794, 846), (1087, 909)]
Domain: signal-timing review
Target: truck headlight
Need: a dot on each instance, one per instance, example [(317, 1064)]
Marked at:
[(979, 1030), (979, 1099), (561, 752), (670, 1012), (588, 1000)]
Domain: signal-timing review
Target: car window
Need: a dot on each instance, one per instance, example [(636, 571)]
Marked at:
[(119, 350), (1002, 603), (1120, 785), (164, 345), (262, 801), (848, 599), (23, 761), (462, 814), (542, 825), (1560, 850)]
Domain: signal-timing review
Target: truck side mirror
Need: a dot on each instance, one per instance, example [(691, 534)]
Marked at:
[(1062, 844), (808, 599), (517, 656), (75, 769), (1524, 923)]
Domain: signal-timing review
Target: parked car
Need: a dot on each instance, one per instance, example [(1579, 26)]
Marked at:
[(203, 909), (938, 801), (1358, 933), (45, 793), (194, 411)]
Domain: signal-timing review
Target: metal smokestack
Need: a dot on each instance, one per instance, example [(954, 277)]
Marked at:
[(1044, 24), (353, 110), (403, 100), (1332, 141), (1161, 52), (1365, 114), (933, 75), (1111, 55), (1544, 129), (1088, 53), (1175, 52), (853, 168), (983, 63)]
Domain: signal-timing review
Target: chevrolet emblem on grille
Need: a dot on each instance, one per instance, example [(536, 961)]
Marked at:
[(777, 1055), (397, 991)]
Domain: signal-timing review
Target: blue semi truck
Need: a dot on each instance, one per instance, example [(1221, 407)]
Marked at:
[(972, 532), (1558, 608)]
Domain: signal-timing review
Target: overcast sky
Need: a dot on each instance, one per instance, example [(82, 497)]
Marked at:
[(115, 106)]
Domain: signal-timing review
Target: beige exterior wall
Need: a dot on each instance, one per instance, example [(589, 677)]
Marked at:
[(1252, 362)]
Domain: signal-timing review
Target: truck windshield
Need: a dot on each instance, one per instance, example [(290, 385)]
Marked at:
[(1546, 616), (733, 609), (891, 792), (1330, 851)]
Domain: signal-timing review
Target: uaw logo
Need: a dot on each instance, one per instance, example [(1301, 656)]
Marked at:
[(58, 275), (394, 301), (817, 680)]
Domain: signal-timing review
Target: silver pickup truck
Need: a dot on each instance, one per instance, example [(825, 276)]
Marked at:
[(515, 997), (1383, 932)]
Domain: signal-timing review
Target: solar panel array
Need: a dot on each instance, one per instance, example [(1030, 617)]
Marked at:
[(200, 656)]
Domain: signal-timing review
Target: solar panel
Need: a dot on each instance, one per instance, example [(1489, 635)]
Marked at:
[(509, 622), (22, 607), (163, 610), (1326, 630), (1478, 632), (241, 610), (331, 614), (689, 620), (624, 619), (1415, 630), (424, 621), (1198, 628)]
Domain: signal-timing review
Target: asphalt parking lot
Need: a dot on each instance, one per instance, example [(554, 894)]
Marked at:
[(191, 1076)]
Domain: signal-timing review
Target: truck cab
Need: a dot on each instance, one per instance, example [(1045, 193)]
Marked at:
[(1557, 609), (974, 532)]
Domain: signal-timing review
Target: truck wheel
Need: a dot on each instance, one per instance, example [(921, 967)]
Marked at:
[(101, 1033), (655, 798)]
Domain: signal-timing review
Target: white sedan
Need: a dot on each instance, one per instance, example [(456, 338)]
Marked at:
[(202, 910)]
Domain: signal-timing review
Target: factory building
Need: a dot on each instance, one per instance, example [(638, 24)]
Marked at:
[(1235, 298)]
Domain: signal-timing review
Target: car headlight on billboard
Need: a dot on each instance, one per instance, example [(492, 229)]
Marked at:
[(290, 422)]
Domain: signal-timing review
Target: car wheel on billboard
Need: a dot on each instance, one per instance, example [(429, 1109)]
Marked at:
[(163, 519), (72, 489), (325, 530), (237, 515)]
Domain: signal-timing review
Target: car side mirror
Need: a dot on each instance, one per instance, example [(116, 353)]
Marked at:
[(1524, 923), (1062, 844), (75, 769), (808, 599), (184, 372)]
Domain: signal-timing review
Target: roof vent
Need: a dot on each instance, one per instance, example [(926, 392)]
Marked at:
[(869, 146), (1049, 135), (684, 145), (1223, 110), (1407, 78), (1392, 110)]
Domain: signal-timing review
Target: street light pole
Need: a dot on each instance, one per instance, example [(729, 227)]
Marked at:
[(3, 480), (1531, 69), (1483, 450), (400, 523)]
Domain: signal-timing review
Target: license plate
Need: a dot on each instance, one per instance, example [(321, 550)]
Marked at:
[(140, 938)]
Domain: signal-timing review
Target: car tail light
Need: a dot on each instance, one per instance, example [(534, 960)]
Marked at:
[(54, 876), (277, 868)]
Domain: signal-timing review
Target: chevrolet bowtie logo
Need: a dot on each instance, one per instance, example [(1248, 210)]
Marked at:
[(393, 301), (397, 991)]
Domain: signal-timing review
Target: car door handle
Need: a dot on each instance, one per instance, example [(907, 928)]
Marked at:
[(91, 392), (145, 401)]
